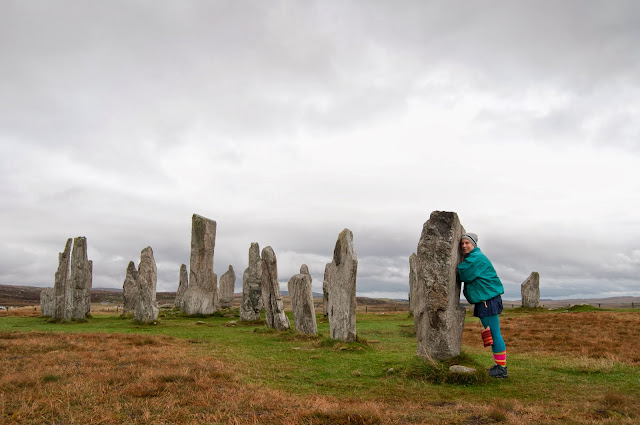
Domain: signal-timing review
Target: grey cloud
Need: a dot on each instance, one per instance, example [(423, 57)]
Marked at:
[(121, 119)]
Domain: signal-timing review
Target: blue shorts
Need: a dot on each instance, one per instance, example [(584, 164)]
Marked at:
[(490, 307)]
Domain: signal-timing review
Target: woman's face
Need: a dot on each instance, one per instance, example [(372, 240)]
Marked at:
[(466, 246)]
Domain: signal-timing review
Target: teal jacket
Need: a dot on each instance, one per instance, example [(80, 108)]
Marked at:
[(481, 282)]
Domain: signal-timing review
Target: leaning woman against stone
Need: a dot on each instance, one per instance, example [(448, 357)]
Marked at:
[(483, 288)]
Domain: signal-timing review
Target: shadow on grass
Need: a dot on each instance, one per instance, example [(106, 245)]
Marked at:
[(437, 371), (359, 344), (339, 418), (66, 321)]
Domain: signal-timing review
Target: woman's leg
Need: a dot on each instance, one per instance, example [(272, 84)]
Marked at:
[(499, 348)]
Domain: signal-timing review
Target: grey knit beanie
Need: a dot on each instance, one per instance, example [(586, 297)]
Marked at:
[(471, 237)]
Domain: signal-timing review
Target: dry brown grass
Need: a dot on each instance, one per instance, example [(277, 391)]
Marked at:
[(112, 379), (109, 379), (28, 311), (54, 378), (590, 336)]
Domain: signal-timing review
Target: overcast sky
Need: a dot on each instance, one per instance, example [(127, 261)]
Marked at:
[(288, 121)]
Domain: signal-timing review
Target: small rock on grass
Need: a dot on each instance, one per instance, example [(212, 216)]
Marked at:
[(461, 369)]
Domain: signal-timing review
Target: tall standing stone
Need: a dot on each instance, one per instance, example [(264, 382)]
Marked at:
[(78, 302), (304, 315), (325, 290), (146, 310), (412, 283), (271, 297), (130, 291), (71, 293), (61, 283), (227, 287), (47, 304), (252, 286), (530, 290), (201, 296), (438, 315), (341, 289), (183, 284)]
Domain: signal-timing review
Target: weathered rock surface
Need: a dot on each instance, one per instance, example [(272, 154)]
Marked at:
[(47, 302), (80, 280), (252, 286), (227, 287), (438, 315), (70, 297), (183, 284), (61, 283), (304, 315), (530, 290), (271, 297), (146, 310), (456, 368), (201, 297), (130, 291), (341, 289), (325, 290), (412, 282)]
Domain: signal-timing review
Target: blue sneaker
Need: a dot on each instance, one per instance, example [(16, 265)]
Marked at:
[(498, 371)]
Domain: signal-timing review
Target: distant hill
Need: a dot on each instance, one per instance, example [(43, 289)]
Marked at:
[(16, 296)]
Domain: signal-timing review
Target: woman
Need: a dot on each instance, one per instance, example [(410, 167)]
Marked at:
[(482, 287)]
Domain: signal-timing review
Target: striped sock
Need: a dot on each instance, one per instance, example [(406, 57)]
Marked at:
[(500, 358), (487, 339)]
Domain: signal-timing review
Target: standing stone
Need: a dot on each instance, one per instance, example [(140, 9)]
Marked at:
[(304, 315), (78, 302), (227, 287), (530, 290), (47, 301), (252, 286), (271, 297), (130, 291), (438, 315), (412, 282), (325, 291), (146, 310), (71, 294), (341, 289), (201, 296), (61, 282), (183, 284)]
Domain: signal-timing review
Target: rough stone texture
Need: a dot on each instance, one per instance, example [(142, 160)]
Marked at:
[(438, 315), (304, 314), (201, 297), (271, 297), (227, 287), (252, 286), (456, 368), (47, 302), (325, 291), (61, 282), (183, 284), (530, 290), (78, 302), (412, 282), (146, 310), (341, 289), (71, 293), (130, 291)]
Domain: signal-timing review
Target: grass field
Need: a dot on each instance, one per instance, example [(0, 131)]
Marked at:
[(576, 366)]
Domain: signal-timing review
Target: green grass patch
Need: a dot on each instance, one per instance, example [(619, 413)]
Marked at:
[(584, 307), (51, 378)]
